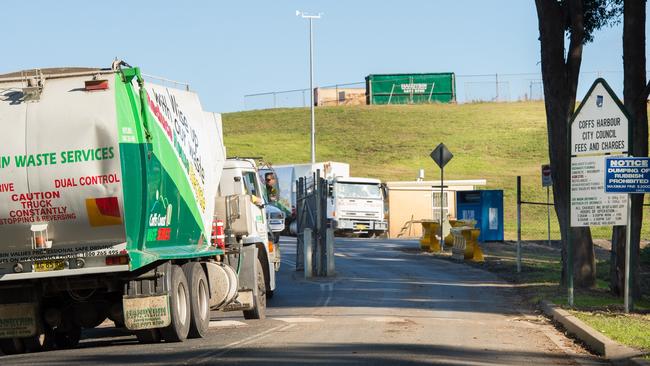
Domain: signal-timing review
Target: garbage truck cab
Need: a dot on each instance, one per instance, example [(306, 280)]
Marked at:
[(240, 177)]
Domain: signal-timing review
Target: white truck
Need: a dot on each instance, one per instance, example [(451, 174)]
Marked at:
[(118, 202), (354, 205)]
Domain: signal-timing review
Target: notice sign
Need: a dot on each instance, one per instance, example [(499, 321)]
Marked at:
[(627, 175), (600, 125), (599, 128), (590, 205)]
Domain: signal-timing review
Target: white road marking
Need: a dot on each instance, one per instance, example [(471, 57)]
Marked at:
[(208, 356), (385, 319), (330, 291), (226, 324), (299, 320)]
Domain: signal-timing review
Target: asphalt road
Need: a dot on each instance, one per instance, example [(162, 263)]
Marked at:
[(389, 304)]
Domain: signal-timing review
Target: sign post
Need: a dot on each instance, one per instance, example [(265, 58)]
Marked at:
[(632, 176), (441, 155), (547, 181), (599, 128)]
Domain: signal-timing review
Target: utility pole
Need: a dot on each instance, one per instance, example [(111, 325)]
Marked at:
[(311, 79)]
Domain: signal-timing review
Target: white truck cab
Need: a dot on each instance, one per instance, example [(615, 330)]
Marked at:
[(356, 205), (240, 178)]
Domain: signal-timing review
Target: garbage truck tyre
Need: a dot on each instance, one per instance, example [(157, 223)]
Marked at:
[(12, 346), (68, 338), (180, 307), (199, 299), (259, 301), (148, 336)]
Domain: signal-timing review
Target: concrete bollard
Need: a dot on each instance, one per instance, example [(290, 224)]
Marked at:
[(307, 246), (330, 252)]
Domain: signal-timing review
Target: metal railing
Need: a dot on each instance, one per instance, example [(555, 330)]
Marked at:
[(470, 88)]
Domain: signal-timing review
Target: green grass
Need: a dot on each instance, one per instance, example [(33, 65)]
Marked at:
[(633, 331), (540, 280), (494, 141)]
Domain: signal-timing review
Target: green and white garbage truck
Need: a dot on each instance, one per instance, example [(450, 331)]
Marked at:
[(117, 202)]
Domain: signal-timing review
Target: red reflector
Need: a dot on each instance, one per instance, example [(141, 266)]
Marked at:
[(108, 206), (93, 85), (117, 260)]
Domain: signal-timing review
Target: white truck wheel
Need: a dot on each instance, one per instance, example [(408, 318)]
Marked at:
[(259, 301), (199, 299), (180, 307)]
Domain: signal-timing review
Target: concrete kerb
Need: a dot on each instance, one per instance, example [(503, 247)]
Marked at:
[(616, 353)]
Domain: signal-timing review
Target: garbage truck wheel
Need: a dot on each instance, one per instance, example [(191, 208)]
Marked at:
[(180, 308), (259, 301), (199, 300)]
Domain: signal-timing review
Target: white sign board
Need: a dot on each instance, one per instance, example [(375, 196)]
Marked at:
[(600, 126), (598, 129), (590, 205)]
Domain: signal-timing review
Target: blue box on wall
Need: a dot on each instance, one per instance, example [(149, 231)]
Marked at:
[(484, 206)]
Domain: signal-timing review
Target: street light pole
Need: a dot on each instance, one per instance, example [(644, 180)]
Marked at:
[(311, 80)]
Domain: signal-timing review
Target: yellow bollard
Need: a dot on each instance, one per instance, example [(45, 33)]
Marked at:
[(434, 243), (425, 241), (477, 253)]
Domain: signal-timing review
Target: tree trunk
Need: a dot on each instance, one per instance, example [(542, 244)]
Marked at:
[(635, 100), (560, 78)]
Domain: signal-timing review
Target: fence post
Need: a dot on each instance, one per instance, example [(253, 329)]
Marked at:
[(518, 223), (330, 251), (300, 214), (548, 214), (323, 227), (307, 244)]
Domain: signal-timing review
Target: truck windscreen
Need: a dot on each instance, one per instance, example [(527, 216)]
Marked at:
[(358, 190)]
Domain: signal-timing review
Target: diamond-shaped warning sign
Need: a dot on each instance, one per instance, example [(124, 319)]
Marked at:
[(441, 155)]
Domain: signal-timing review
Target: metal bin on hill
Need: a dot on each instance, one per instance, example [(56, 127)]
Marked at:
[(411, 88)]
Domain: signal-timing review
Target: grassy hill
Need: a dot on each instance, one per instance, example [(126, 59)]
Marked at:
[(496, 141), (493, 141)]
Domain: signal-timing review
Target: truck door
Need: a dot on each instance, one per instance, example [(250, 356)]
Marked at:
[(253, 187)]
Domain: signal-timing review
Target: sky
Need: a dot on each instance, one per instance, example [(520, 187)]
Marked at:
[(228, 49)]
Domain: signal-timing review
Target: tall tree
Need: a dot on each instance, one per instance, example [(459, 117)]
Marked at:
[(635, 95), (560, 72)]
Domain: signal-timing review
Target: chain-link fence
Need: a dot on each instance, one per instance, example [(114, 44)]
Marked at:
[(469, 88), (539, 222)]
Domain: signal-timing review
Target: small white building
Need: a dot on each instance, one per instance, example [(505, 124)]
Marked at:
[(410, 201)]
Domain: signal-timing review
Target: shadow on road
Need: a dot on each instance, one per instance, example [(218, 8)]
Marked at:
[(327, 354), (394, 274)]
